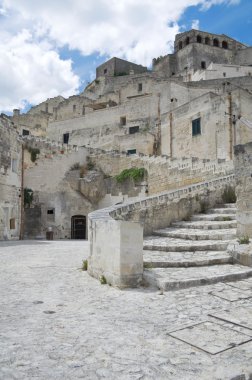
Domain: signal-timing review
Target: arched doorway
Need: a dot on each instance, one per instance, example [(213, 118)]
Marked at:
[(78, 227)]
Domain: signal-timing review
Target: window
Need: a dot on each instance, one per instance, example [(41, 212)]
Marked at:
[(51, 214), (123, 120), (83, 110), (203, 65), (46, 107), (131, 151), (224, 44), (74, 108), (224, 74), (187, 41), (199, 39), (65, 138), (133, 130), (196, 127), (12, 224), (180, 45), (140, 87), (207, 41), (216, 42), (25, 132), (105, 71)]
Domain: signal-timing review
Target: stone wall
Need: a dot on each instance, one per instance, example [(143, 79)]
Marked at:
[(10, 180), (120, 258), (243, 175), (163, 173), (117, 66)]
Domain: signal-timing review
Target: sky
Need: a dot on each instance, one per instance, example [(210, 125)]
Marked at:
[(52, 47)]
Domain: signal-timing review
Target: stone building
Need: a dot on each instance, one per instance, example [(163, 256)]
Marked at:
[(188, 106), (10, 180)]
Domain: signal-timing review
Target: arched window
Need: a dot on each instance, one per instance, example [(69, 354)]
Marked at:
[(199, 39), (224, 44), (180, 45), (187, 41), (216, 42), (207, 41)]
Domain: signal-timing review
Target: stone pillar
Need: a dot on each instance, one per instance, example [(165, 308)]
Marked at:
[(243, 176), (116, 250)]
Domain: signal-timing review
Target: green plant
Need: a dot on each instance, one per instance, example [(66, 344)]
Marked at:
[(187, 217), (243, 239), (148, 265), (28, 196), (103, 280), (226, 218), (135, 173), (90, 165), (84, 265), (228, 195), (34, 152), (83, 171)]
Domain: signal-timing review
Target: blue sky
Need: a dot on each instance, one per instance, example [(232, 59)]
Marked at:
[(52, 47)]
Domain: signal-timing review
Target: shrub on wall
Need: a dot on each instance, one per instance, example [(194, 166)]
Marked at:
[(136, 174)]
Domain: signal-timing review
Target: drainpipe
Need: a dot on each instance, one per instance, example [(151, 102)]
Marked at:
[(171, 126), (230, 112), (21, 231)]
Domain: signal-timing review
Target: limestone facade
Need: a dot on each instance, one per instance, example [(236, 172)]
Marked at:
[(10, 180)]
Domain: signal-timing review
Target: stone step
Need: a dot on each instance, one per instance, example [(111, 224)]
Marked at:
[(226, 205), (180, 278), (155, 243), (226, 210), (210, 217), (161, 259), (192, 234), (206, 225)]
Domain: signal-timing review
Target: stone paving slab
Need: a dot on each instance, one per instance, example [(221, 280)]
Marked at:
[(211, 337), (232, 294), (192, 234), (185, 259), (242, 285), (242, 318), (206, 225), (178, 245), (96, 331)]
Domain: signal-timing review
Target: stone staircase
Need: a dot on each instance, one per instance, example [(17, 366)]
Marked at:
[(194, 252)]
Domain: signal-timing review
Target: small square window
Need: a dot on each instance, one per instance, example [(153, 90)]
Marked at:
[(51, 214), (105, 71), (133, 130), (140, 87), (196, 127), (25, 132), (12, 224), (123, 120), (131, 151)]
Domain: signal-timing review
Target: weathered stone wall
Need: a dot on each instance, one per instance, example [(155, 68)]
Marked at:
[(117, 66), (163, 173), (243, 176), (10, 180), (120, 258)]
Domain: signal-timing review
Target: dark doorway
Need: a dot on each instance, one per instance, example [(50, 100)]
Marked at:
[(78, 227)]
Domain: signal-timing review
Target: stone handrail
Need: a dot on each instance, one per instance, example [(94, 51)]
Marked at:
[(116, 233)]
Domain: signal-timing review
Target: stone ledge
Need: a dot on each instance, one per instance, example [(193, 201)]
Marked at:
[(241, 253)]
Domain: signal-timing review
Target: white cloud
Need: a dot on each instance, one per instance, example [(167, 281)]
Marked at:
[(32, 72), (136, 30)]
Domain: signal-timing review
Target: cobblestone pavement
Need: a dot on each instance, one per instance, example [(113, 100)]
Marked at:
[(56, 322)]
